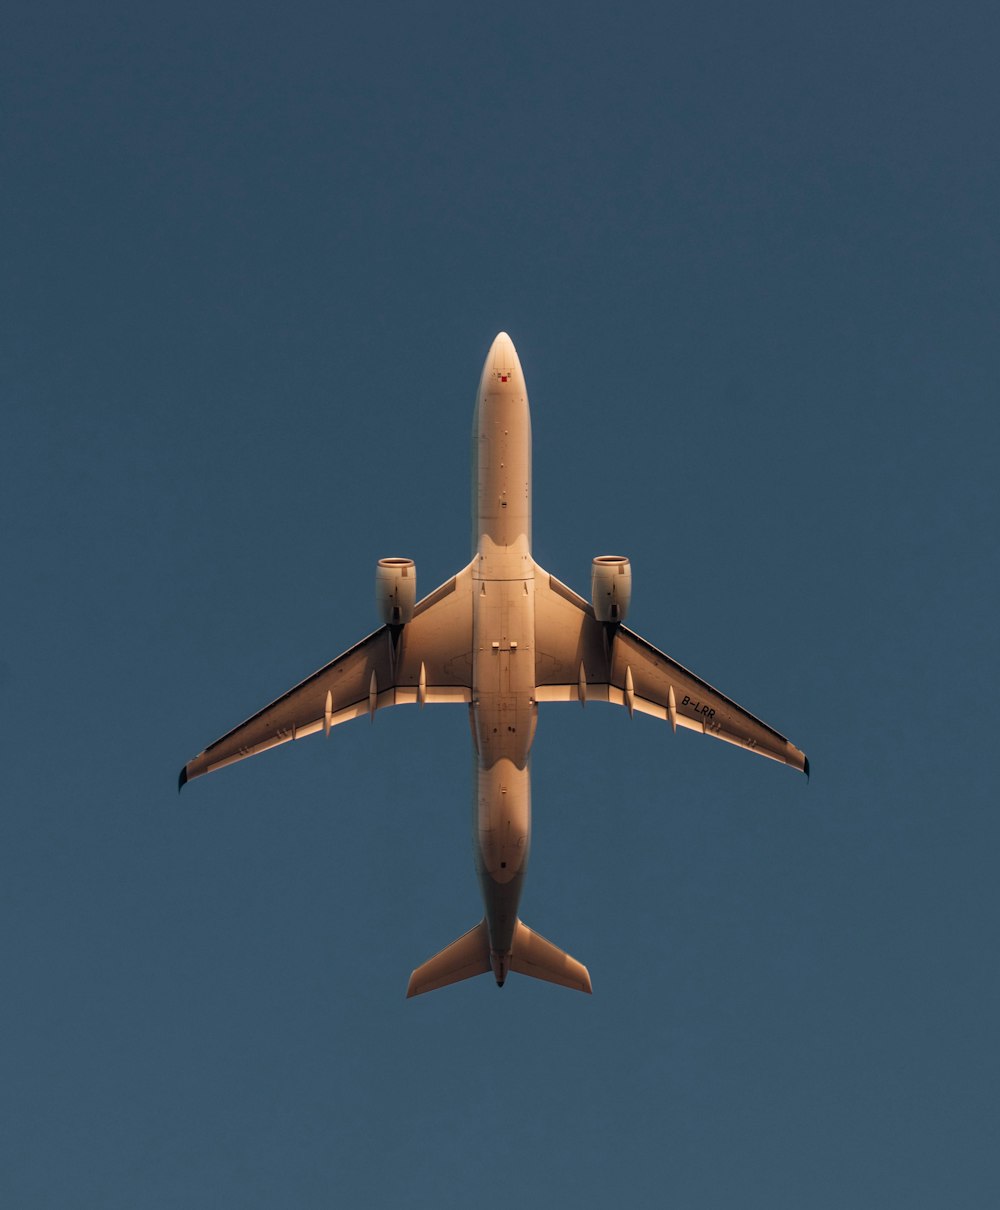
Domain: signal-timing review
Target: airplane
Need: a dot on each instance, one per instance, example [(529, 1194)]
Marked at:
[(501, 636)]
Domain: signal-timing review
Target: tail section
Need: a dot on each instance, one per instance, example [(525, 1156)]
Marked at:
[(464, 958), (532, 955), (470, 955)]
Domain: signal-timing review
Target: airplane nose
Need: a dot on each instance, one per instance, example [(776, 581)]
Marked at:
[(505, 369)]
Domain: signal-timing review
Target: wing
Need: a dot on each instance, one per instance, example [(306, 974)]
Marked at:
[(427, 660), (578, 658)]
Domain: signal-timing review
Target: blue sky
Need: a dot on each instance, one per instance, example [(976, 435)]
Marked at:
[(252, 261)]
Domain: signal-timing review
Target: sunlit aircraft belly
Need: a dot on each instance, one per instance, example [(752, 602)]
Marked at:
[(503, 694)]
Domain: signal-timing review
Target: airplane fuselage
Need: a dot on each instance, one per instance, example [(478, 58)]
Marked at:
[(503, 708)]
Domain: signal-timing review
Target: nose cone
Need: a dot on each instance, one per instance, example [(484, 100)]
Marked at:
[(503, 347), (502, 369)]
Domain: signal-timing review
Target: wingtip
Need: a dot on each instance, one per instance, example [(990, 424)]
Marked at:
[(805, 766), (182, 779)]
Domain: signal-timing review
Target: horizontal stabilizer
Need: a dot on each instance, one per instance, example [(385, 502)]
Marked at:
[(463, 959), (532, 955)]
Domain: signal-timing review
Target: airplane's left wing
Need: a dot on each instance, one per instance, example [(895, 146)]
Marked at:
[(577, 657), (427, 660)]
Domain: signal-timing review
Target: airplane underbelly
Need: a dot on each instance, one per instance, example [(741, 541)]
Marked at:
[(501, 466), (503, 820), (503, 692), (504, 716)]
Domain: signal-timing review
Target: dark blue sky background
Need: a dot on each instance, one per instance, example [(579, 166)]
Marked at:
[(252, 260)]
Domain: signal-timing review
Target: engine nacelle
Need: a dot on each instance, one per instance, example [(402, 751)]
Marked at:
[(610, 587), (395, 590)]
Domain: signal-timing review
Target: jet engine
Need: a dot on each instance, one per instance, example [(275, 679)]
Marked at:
[(396, 590), (610, 587)]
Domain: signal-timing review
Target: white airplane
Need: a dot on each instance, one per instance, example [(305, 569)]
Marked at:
[(501, 636)]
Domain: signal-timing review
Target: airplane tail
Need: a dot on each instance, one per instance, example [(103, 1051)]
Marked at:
[(532, 955), (464, 958), (470, 955)]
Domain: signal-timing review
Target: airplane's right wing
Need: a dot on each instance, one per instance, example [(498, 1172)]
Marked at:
[(427, 660), (578, 658)]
